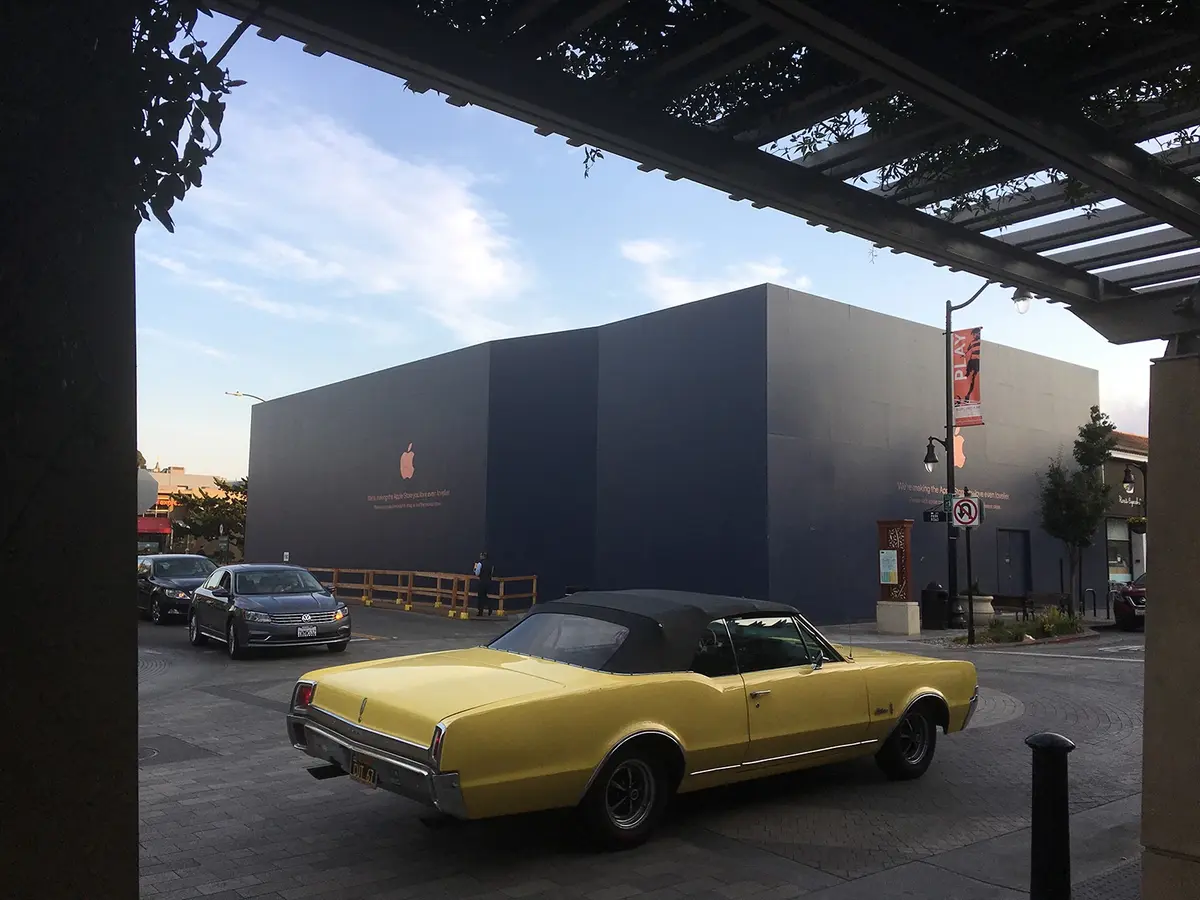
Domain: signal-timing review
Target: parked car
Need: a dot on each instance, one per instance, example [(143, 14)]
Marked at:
[(166, 582), (247, 606), (1129, 606), (611, 702)]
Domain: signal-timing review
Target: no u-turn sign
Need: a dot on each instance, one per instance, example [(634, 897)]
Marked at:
[(966, 512)]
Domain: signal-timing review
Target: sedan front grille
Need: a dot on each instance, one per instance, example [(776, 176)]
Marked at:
[(308, 618)]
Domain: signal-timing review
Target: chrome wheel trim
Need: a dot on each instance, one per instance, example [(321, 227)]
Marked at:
[(193, 628), (231, 640), (629, 794), (912, 738), (155, 611)]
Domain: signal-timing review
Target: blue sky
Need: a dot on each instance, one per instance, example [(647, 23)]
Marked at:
[(347, 225)]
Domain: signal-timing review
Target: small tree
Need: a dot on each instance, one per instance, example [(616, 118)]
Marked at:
[(141, 460), (203, 517), (1074, 498)]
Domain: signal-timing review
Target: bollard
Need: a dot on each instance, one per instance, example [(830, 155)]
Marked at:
[(1050, 837)]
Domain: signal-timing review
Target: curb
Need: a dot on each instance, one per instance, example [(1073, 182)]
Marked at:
[(1065, 639)]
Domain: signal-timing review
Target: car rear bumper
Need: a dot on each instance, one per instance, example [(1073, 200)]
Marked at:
[(971, 707), (409, 778)]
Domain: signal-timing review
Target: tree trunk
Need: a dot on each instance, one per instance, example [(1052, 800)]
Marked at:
[(68, 107), (1073, 563)]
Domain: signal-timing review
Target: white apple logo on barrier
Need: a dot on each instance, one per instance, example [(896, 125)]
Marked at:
[(406, 463)]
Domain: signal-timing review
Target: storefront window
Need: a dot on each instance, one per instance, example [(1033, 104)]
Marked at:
[(1119, 552)]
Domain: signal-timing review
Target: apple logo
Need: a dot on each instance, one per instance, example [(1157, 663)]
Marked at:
[(960, 454), (406, 463)]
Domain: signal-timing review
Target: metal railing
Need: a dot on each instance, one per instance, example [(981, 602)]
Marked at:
[(426, 591)]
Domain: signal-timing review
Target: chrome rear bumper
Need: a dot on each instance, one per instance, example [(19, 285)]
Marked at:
[(409, 778), (971, 707)]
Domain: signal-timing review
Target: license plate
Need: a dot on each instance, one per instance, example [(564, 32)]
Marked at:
[(306, 631), (1139, 612), (363, 772)]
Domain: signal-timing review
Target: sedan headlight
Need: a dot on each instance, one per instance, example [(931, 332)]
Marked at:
[(342, 613), (253, 615), (178, 595)]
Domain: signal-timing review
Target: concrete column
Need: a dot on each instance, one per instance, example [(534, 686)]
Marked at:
[(1171, 743), (68, 664)]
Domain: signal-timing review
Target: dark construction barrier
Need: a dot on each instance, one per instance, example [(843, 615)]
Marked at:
[(1050, 835), (427, 591)]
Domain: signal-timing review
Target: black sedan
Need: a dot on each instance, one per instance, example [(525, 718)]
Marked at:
[(166, 582), (261, 605)]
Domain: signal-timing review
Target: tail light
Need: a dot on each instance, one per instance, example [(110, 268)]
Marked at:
[(302, 695)]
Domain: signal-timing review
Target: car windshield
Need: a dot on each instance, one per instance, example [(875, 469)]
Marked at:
[(559, 637), (276, 581), (1140, 580), (185, 567)]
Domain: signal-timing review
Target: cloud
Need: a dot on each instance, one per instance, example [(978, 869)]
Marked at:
[(662, 282), (158, 336), (305, 219)]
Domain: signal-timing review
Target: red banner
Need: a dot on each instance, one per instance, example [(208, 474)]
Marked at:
[(964, 359)]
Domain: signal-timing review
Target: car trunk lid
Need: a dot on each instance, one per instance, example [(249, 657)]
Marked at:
[(406, 697)]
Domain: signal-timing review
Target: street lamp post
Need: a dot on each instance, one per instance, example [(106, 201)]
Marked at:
[(244, 394), (1128, 483), (1021, 299)]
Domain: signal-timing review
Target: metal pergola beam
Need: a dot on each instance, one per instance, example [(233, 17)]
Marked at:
[(1089, 226), (902, 53), (460, 64), (1131, 249), (1046, 199)]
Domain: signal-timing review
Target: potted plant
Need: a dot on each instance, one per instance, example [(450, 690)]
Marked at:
[(1137, 524), (981, 602)]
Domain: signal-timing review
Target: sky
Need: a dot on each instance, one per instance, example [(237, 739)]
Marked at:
[(347, 225)]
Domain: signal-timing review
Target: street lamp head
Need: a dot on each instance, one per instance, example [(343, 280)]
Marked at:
[(931, 458), (1022, 299), (1127, 482)]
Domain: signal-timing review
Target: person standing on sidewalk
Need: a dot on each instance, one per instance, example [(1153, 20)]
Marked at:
[(483, 574)]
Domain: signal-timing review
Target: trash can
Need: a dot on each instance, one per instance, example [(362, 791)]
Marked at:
[(934, 607)]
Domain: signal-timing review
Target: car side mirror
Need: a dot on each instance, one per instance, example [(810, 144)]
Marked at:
[(220, 592)]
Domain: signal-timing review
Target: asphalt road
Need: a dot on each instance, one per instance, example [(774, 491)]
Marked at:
[(228, 810)]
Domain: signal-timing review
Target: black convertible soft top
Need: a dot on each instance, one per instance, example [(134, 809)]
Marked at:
[(665, 627)]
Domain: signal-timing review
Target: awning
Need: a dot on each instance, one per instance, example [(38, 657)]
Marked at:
[(153, 525)]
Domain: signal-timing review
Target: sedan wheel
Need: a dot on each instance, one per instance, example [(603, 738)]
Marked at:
[(232, 643), (629, 795), (156, 615), (195, 638), (908, 752), (626, 800)]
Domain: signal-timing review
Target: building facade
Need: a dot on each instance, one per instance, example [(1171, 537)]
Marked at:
[(154, 531), (745, 444)]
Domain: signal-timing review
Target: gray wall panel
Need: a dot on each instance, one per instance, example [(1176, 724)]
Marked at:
[(852, 396), (318, 456), (682, 469)]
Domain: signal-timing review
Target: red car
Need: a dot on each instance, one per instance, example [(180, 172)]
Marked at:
[(1129, 606)]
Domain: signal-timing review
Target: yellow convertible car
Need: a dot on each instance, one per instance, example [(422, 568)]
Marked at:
[(611, 702)]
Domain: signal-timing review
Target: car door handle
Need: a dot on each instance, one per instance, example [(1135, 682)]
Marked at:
[(754, 695)]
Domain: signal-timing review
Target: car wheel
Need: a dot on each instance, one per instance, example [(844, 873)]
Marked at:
[(156, 614), (195, 638), (232, 643), (908, 752), (626, 800), (338, 647)]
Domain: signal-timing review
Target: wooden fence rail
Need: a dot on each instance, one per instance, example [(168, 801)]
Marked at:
[(426, 591)]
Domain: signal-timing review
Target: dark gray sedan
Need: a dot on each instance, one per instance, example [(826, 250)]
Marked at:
[(266, 605)]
